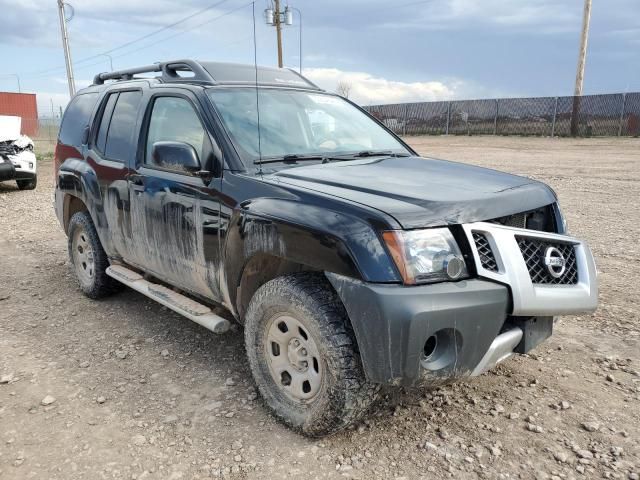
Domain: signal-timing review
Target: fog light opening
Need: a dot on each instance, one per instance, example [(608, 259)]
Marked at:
[(441, 350), (430, 347)]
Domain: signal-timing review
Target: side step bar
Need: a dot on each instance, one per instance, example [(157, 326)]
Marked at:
[(185, 306)]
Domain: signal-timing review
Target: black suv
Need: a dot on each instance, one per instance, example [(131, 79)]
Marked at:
[(350, 261)]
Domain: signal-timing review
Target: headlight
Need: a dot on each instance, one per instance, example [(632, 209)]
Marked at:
[(425, 256)]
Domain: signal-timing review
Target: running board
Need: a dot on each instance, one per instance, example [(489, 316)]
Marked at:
[(185, 306)]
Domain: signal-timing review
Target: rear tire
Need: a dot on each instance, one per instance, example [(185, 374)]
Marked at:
[(88, 259), (324, 389), (27, 184)]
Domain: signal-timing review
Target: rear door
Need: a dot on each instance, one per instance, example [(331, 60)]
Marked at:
[(111, 154), (174, 213)]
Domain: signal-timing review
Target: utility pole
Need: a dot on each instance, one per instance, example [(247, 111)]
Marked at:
[(277, 18), (582, 58), (278, 32), (65, 46)]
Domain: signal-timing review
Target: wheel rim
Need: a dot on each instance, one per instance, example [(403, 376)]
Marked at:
[(83, 256), (293, 358)]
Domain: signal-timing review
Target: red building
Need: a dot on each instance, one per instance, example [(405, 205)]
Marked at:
[(21, 105)]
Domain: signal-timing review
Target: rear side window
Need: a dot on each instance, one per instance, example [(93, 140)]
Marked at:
[(76, 119), (101, 140), (117, 133)]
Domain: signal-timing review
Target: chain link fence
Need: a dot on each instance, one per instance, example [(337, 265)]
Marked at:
[(616, 114)]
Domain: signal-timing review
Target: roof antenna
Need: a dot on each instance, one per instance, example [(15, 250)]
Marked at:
[(255, 63)]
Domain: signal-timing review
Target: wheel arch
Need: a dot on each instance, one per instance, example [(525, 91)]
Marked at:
[(259, 269), (71, 206)]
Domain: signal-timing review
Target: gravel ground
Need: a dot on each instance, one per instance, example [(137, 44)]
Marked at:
[(125, 389)]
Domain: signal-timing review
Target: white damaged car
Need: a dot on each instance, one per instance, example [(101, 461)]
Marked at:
[(17, 160)]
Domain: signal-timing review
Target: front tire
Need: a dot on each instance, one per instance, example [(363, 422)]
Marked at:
[(88, 258), (27, 184), (304, 357)]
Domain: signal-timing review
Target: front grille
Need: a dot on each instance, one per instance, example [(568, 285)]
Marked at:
[(541, 219), (487, 258), (519, 220), (533, 252)]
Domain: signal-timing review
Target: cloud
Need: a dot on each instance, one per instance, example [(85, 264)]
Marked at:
[(539, 16), (367, 89)]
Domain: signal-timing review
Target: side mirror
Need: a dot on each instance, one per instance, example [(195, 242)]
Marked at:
[(175, 156)]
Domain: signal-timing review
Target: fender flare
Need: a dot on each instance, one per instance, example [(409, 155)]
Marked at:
[(303, 234)]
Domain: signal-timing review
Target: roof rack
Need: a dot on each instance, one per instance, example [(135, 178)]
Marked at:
[(212, 73), (170, 73)]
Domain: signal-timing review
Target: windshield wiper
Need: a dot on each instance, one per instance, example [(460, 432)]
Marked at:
[(291, 159), (295, 158), (373, 153)]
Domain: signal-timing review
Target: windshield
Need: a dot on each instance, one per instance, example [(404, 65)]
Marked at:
[(297, 123)]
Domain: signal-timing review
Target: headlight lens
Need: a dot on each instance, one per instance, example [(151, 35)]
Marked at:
[(425, 256)]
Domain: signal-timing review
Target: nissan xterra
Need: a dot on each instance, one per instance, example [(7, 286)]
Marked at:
[(350, 261)]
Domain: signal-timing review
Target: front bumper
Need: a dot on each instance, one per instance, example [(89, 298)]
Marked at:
[(21, 166), (392, 323), (431, 333)]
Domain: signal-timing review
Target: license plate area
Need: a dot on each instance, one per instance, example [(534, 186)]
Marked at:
[(535, 331)]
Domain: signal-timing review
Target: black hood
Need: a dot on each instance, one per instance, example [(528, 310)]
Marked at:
[(421, 192)]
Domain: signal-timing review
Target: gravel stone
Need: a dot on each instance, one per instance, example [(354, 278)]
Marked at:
[(534, 428), (591, 426), (139, 440)]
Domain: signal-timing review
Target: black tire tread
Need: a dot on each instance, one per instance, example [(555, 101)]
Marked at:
[(351, 395), (103, 285), (27, 184)]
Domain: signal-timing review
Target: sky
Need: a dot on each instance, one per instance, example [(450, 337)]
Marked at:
[(386, 51)]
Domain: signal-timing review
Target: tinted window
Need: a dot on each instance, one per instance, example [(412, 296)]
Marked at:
[(76, 118), (122, 128), (101, 140), (174, 119)]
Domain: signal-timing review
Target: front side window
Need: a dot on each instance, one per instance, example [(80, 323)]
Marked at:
[(173, 119), (296, 122), (76, 119)]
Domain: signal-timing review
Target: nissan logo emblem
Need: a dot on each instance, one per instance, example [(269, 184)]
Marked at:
[(554, 262)]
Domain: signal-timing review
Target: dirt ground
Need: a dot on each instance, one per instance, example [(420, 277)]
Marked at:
[(125, 389)]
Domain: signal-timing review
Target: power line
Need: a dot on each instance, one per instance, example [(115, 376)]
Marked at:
[(167, 27), (184, 31), (164, 39), (131, 42)]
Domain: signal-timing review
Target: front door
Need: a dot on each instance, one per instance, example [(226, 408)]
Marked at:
[(174, 212)]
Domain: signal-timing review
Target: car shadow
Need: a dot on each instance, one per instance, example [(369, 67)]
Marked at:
[(8, 186)]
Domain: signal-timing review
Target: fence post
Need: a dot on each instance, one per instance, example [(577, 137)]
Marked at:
[(624, 105), (53, 116), (495, 120), (448, 117), (404, 120), (555, 115)]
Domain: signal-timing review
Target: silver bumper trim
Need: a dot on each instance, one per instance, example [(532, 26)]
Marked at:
[(531, 299), (500, 349)]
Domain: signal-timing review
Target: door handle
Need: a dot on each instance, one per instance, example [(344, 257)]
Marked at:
[(137, 184), (136, 180)]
